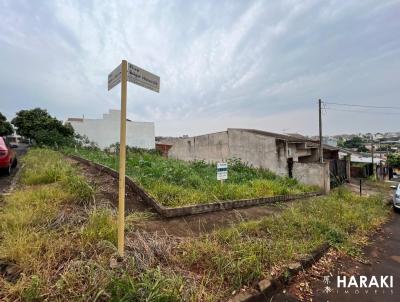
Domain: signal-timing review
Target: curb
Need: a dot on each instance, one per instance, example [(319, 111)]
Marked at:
[(266, 288), (193, 209)]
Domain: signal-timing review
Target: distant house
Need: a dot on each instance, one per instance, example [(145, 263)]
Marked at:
[(362, 165), (330, 141), (292, 156), (106, 131)]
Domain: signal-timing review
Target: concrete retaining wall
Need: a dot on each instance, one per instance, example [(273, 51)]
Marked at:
[(193, 209)]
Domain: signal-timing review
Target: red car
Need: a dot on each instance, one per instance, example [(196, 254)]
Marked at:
[(8, 156)]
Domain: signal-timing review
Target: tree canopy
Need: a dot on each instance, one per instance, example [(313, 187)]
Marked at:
[(394, 160), (354, 143), (38, 125), (5, 127)]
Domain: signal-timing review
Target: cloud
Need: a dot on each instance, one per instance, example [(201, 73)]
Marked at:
[(225, 63)]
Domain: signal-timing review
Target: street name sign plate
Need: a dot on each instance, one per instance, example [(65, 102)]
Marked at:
[(143, 78), (222, 171), (114, 78)]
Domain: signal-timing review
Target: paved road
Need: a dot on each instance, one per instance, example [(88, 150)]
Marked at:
[(5, 180), (384, 260)]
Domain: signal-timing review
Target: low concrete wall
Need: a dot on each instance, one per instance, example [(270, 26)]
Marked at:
[(316, 174), (193, 209)]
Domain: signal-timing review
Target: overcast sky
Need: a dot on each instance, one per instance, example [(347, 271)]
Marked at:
[(249, 64)]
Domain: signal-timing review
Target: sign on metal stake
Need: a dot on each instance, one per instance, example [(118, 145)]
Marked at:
[(122, 74), (222, 172)]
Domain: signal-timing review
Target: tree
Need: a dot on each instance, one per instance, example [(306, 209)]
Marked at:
[(354, 142), (5, 127), (38, 125), (394, 160), (362, 148)]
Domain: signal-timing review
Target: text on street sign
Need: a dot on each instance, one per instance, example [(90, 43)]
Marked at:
[(143, 78)]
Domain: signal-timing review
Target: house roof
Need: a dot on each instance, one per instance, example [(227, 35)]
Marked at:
[(75, 119), (289, 138)]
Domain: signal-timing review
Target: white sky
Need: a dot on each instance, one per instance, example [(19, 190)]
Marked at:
[(249, 64)]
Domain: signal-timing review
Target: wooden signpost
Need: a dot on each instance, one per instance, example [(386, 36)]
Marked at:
[(122, 74)]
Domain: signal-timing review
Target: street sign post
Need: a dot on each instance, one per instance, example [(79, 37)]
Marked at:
[(122, 74), (222, 172)]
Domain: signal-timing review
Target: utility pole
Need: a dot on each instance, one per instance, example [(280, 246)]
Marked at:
[(387, 164), (321, 150), (372, 154)]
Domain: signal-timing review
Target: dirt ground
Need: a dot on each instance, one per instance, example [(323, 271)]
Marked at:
[(107, 192)]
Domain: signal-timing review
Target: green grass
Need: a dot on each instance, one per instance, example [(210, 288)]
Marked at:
[(153, 285), (64, 246), (45, 166), (176, 183), (101, 225), (68, 259), (246, 252)]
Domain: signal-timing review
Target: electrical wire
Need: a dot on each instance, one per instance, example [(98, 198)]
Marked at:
[(363, 111), (363, 106)]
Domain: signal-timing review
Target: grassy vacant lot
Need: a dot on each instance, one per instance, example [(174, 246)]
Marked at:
[(64, 243), (249, 251), (177, 183)]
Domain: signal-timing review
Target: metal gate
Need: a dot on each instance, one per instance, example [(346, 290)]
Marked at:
[(337, 169)]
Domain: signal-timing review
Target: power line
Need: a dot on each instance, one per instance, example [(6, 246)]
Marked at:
[(363, 111), (363, 106)]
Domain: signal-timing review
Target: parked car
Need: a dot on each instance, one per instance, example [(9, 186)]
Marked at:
[(396, 197), (8, 156)]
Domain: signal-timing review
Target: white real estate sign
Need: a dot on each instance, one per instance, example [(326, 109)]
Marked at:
[(143, 78), (114, 78), (222, 171)]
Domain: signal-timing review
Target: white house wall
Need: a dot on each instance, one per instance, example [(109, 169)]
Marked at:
[(106, 131)]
